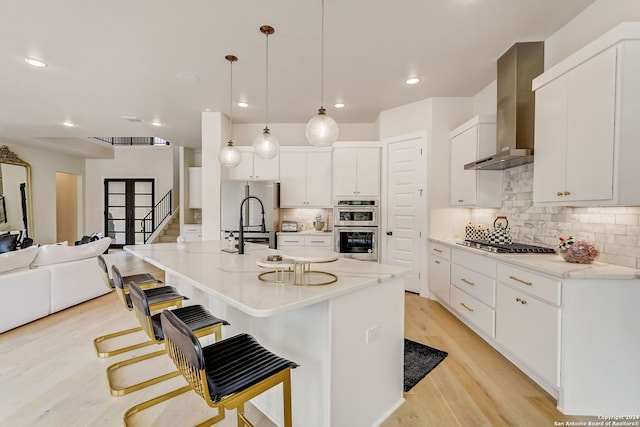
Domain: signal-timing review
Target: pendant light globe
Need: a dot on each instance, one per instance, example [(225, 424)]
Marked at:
[(265, 145), (322, 130), (229, 156)]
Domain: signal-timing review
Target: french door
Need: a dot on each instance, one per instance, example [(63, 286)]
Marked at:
[(127, 202)]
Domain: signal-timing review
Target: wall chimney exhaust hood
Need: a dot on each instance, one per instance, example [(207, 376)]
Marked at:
[(517, 67)]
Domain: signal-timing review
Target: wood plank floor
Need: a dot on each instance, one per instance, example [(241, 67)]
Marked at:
[(51, 376)]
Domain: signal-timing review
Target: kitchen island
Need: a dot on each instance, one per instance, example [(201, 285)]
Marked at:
[(346, 336)]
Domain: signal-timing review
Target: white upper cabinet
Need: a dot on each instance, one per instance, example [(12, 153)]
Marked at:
[(587, 127), (254, 168), (305, 177), (356, 171), (471, 141)]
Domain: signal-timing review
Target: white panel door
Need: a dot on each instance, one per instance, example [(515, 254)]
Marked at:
[(405, 220)]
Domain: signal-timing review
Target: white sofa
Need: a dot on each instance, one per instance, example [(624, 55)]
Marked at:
[(38, 281)]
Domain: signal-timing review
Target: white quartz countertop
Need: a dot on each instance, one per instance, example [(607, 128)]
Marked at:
[(234, 278), (554, 265)]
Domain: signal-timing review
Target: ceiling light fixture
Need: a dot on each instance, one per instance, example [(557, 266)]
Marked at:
[(35, 62), (412, 80), (68, 124), (339, 105), (265, 145), (243, 104), (229, 155), (322, 130), (156, 123)]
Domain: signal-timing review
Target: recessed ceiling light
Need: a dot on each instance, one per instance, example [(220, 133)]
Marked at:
[(243, 104), (412, 80), (156, 123), (35, 62), (339, 105), (68, 124)]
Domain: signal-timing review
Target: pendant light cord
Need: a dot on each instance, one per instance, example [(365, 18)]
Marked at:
[(322, 58), (231, 102), (266, 85)]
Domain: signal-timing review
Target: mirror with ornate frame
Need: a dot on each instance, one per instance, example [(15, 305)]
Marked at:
[(16, 208)]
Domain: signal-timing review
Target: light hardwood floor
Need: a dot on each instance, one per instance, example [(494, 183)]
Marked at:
[(51, 376)]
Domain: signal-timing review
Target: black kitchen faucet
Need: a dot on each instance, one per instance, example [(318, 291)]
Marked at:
[(263, 228)]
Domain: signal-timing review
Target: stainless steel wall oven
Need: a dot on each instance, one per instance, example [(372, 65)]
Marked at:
[(356, 229)]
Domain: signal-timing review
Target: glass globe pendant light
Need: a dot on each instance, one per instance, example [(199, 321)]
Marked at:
[(265, 145), (322, 130), (229, 155)]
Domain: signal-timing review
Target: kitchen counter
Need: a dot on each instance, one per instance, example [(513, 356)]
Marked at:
[(553, 264), (569, 327), (305, 233), (347, 336)]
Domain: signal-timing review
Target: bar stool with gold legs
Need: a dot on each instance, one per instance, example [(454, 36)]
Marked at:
[(159, 298), (226, 374), (144, 280), (196, 317)]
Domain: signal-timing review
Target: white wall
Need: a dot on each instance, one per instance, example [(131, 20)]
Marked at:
[(44, 165), (292, 134), (128, 162), (215, 131), (594, 21), (436, 117)]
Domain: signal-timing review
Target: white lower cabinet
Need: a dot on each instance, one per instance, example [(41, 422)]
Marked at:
[(297, 240), (439, 271), (528, 328), (473, 281)]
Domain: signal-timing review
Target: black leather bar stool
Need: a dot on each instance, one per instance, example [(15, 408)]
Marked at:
[(226, 374), (144, 280), (196, 317), (160, 297)]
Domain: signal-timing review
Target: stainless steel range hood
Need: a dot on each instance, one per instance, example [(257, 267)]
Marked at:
[(517, 67)]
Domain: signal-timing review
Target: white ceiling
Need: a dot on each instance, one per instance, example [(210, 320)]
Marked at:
[(113, 58)]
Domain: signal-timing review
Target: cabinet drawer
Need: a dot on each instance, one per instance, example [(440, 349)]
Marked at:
[(290, 240), (481, 287), (541, 286), (479, 263), (443, 251), (474, 311), (318, 241)]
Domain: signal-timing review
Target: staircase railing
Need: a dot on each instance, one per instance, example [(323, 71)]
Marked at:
[(154, 218), (132, 140)]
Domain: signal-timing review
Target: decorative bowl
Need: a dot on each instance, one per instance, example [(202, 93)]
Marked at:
[(580, 252)]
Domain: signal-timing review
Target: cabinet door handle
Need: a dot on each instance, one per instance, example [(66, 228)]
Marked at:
[(524, 282), (559, 193), (521, 301), (466, 306), (437, 250), (316, 241), (566, 193), (467, 282), (460, 200), (437, 262)]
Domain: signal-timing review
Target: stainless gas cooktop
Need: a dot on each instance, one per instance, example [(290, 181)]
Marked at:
[(512, 248)]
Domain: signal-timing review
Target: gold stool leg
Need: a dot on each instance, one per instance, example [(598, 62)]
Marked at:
[(121, 391), (103, 353)]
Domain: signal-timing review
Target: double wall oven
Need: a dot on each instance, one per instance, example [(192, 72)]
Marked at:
[(355, 225)]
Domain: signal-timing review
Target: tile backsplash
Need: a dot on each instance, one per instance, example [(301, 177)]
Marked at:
[(614, 230), (306, 217)]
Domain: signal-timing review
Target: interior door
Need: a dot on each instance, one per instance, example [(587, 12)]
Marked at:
[(405, 214), (127, 202)]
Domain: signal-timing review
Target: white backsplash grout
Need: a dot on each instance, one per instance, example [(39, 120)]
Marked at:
[(614, 230)]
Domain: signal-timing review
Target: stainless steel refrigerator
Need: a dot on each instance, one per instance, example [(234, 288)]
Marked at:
[(233, 193)]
